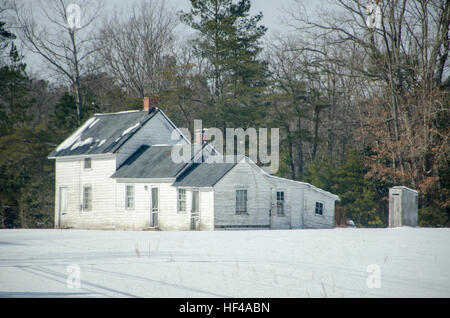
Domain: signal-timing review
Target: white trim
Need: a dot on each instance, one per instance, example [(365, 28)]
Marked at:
[(192, 190), (167, 118), (59, 200), (405, 188), (144, 180), (246, 200), (123, 112), (108, 155), (280, 190), (133, 196), (307, 185), (323, 208), (156, 211), (185, 200)]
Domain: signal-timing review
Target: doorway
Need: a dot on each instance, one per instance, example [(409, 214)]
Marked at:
[(195, 210), (62, 210), (155, 208)]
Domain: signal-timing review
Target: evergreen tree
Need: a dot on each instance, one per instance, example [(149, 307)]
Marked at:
[(229, 39), (14, 87), (6, 37), (357, 195), (65, 116)]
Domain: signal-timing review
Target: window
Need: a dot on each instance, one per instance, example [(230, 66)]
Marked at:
[(129, 197), (319, 208), (280, 203), (87, 163), (241, 201), (195, 201), (181, 200), (87, 198)]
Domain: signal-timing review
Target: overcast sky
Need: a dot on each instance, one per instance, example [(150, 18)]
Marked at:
[(271, 9), (274, 16)]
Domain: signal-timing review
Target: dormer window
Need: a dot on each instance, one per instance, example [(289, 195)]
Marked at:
[(87, 163)]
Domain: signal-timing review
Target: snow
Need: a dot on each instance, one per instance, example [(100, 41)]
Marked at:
[(81, 143), (126, 131), (413, 262), (101, 143), (122, 112), (75, 136), (93, 124)]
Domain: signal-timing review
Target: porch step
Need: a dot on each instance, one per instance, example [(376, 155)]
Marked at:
[(152, 229)]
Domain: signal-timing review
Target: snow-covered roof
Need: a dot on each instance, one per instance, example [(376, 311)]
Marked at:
[(307, 185), (406, 188), (103, 133)]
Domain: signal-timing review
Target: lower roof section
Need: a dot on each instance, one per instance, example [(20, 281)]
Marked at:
[(203, 174), (149, 162)]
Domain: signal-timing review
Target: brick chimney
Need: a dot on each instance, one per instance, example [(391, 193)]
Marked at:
[(198, 137), (149, 102)]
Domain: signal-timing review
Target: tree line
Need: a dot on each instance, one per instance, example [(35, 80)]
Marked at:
[(361, 106)]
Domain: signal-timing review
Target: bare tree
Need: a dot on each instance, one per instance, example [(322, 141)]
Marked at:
[(60, 32), (402, 64), (311, 100), (5, 35), (136, 48)]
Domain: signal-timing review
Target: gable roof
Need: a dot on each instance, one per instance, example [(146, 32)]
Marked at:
[(150, 162), (203, 174), (103, 133)]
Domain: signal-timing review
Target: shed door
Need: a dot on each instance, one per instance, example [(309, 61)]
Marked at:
[(396, 208)]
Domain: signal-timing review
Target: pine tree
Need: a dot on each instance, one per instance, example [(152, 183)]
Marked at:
[(14, 87), (357, 194), (229, 39), (6, 37)]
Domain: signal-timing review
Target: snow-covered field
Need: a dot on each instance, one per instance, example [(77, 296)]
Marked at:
[(413, 262)]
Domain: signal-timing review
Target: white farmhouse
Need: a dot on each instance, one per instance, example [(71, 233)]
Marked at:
[(115, 172)]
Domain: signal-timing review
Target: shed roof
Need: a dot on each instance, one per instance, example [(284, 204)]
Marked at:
[(103, 133), (150, 162)]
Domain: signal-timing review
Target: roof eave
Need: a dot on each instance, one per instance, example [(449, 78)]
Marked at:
[(106, 154), (143, 180)]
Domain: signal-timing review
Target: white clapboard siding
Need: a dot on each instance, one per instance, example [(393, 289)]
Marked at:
[(293, 196), (242, 176), (313, 220), (206, 209), (137, 217), (70, 173), (301, 203), (156, 131), (169, 217)]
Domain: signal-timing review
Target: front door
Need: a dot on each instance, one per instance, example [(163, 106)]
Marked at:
[(62, 209), (155, 207), (195, 210)]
